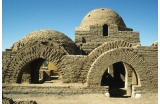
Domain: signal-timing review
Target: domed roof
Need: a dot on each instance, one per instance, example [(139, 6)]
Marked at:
[(47, 37), (102, 16), (50, 35)]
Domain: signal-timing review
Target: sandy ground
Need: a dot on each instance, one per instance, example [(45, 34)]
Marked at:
[(91, 99)]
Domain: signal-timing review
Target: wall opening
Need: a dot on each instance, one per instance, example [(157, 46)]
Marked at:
[(39, 71), (51, 72), (119, 77), (35, 66), (29, 73), (115, 78), (105, 30)]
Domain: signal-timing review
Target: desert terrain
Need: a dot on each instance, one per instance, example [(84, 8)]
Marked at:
[(90, 99)]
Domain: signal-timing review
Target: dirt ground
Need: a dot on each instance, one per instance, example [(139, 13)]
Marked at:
[(91, 99)]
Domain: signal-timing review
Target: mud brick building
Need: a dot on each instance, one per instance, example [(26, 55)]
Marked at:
[(106, 57)]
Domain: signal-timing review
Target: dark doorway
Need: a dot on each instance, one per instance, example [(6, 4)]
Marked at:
[(119, 75), (31, 70), (105, 30), (107, 79), (39, 71), (114, 77), (35, 66)]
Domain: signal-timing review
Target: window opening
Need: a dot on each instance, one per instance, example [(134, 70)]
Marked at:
[(105, 30)]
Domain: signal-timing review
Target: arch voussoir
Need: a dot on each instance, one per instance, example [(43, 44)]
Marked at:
[(26, 55), (100, 50)]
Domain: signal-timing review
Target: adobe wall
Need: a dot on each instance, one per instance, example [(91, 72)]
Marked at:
[(6, 61), (100, 50), (92, 38), (142, 59), (150, 54), (72, 68), (15, 64)]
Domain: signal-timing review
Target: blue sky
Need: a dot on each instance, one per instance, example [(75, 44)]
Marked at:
[(20, 17)]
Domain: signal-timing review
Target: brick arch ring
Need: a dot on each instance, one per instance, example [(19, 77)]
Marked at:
[(110, 57), (106, 47), (101, 49), (29, 54)]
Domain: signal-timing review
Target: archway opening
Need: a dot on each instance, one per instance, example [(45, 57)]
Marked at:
[(29, 73), (119, 77), (51, 72), (38, 71), (35, 66), (114, 76)]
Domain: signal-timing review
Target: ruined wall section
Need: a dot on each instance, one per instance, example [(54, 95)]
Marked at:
[(150, 55), (6, 61), (71, 66), (90, 39)]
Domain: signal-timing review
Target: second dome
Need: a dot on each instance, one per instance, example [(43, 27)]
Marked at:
[(102, 16)]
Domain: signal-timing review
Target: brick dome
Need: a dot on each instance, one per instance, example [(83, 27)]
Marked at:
[(50, 38), (102, 16)]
